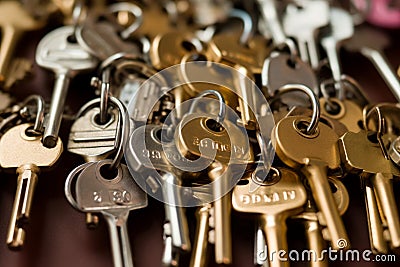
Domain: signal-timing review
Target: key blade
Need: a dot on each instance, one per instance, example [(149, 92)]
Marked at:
[(27, 180)]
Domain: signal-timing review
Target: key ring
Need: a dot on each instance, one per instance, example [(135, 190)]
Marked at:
[(221, 100), (381, 127), (133, 9), (312, 127), (122, 134), (247, 32), (39, 101)]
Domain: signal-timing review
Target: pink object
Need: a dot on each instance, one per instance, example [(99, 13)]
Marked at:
[(380, 13)]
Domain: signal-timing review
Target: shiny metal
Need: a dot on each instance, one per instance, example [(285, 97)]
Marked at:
[(394, 151), (341, 28), (199, 253), (123, 195), (302, 22), (65, 59), (311, 128), (27, 154), (221, 100), (269, 14)]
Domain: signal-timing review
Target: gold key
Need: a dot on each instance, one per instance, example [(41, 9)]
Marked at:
[(345, 111), (314, 154), (363, 154), (276, 199), (226, 146), (14, 20), (21, 150)]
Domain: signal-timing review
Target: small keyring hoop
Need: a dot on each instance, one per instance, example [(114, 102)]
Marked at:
[(39, 101), (68, 184), (247, 32), (221, 100), (381, 127), (76, 15), (291, 46), (312, 127), (122, 134), (133, 9)]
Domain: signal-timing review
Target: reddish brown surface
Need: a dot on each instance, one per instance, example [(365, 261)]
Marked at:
[(57, 235)]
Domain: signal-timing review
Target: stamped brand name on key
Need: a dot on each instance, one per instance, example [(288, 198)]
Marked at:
[(218, 146), (268, 198)]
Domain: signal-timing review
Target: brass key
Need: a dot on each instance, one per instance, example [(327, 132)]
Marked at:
[(314, 153), (279, 197), (21, 150), (199, 135), (14, 20), (361, 155)]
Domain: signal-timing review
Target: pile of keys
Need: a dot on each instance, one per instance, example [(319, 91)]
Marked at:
[(212, 106)]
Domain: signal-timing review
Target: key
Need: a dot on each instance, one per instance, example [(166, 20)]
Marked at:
[(102, 38), (279, 70), (311, 219), (314, 154), (346, 112), (57, 52), (24, 151), (341, 28), (371, 43), (363, 155), (243, 49), (275, 202), (302, 23), (148, 155), (14, 20), (168, 49), (269, 14), (113, 195), (92, 141), (199, 253), (199, 136)]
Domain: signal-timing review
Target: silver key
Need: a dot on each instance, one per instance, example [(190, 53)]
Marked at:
[(90, 139), (57, 52), (152, 157), (371, 43), (341, 28), (113, 195), (269, 14), (302, 23), (278, 72)]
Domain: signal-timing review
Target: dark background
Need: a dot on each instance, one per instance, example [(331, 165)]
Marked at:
[(57, 234)]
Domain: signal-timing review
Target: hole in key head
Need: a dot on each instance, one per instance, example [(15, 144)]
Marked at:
[(108, 173), (243, 182), (333, 187), (188, 46), (332, 108), (97, 119), (214, 126), (265, 177), (72, 39)]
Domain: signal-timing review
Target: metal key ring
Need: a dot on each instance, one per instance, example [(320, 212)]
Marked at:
[(122, 134), (381, 127), (247, 32), (221, 100), (133, 9), (312, 127), (37, 127), (68, 183)]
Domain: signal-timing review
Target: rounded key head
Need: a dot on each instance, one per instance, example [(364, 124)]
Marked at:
[(56, 51), (288, 193), (295, 148), (200, 136), (90, 139), (18, 148), (100, 191), (341, 22), (227, 47)]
